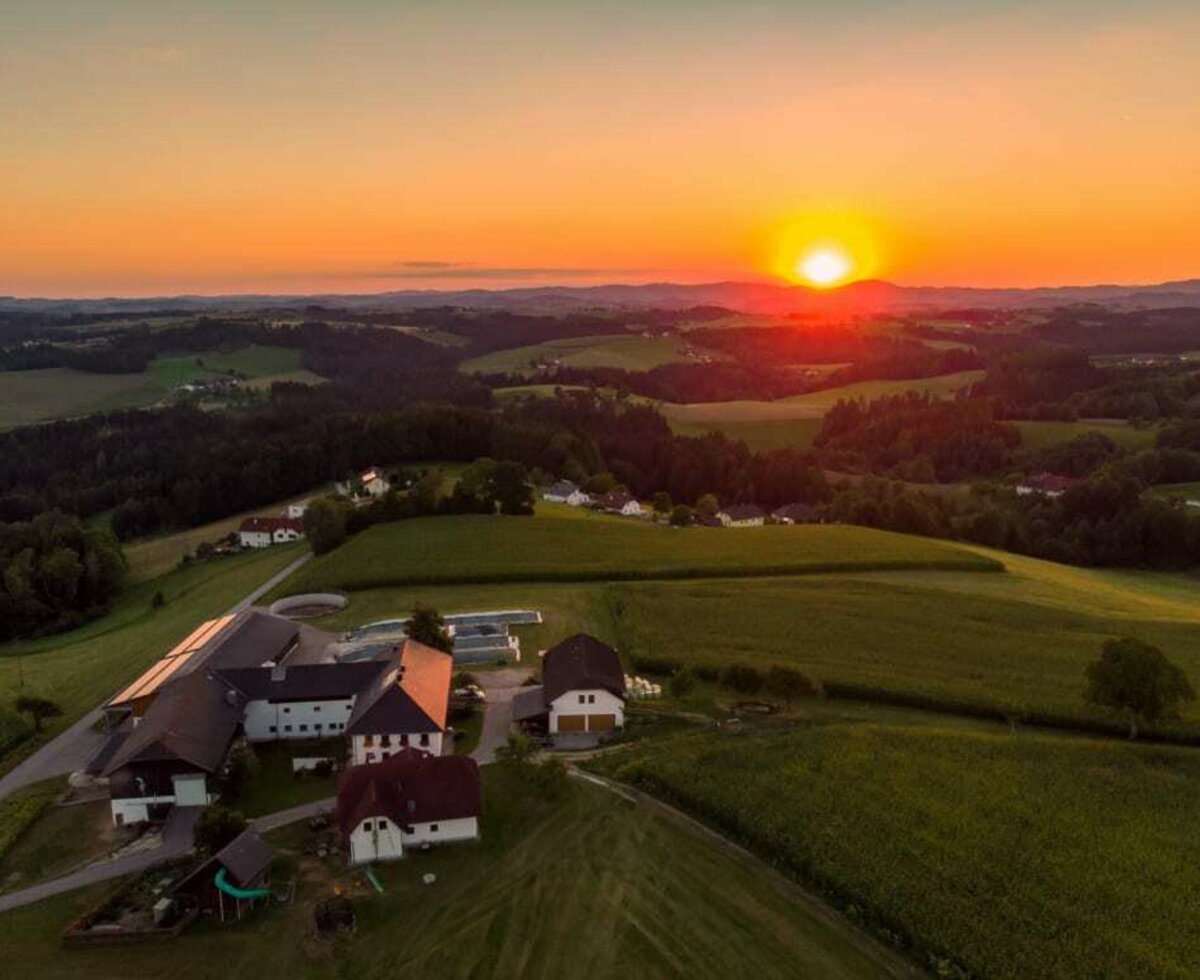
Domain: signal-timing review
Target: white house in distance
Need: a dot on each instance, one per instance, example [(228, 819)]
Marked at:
[(296, 511), (565, 492), (742, 515), (374, 483), (621, 503), (411, 799), (582, 690), (1045, 485), (262, 532)]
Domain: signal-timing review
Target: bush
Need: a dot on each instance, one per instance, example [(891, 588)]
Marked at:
[(217, 826), (682, 682), (742, 678)]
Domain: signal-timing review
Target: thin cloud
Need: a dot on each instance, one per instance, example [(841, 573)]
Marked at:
[(438, 269)]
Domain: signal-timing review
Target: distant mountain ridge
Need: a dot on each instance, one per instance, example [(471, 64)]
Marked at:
[(858, 297)]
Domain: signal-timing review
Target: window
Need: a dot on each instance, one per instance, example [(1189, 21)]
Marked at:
[(424, 738), (403, 739), (369, 740), (287, 711), (303, 728), (317, 727), (287, 728), (316, 707), (381, 824), (386, 740), (367, 825), (433, 828), (591, 699), (274, 728), (581, 699)]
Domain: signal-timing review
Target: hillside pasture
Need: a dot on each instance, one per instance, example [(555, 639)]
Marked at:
[(1007, 856), (27, 397), (1041, 435), (632, 352), (492, 549)]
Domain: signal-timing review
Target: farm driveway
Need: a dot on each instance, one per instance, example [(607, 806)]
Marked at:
[(500, 686)]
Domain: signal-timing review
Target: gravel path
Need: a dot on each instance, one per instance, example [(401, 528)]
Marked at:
[(500, 686)]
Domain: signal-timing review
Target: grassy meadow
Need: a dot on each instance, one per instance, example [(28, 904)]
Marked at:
[(1008, 856), (552, 884), (27, 397), (1040, 435), (81, 668), (633, 352), (586, 546)]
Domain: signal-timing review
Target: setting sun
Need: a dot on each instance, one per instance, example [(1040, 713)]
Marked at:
[(827, 267)]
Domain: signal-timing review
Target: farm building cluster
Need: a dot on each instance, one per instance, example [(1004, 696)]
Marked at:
[(620, 503)]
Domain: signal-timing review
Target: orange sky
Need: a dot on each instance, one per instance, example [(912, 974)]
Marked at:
[(153, 148)]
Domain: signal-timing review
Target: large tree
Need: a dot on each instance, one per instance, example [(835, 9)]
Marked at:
[(426, 625), (1135, 678), (38, 709), (325, 522)]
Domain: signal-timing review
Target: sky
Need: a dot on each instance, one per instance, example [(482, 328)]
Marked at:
[(154, 148)]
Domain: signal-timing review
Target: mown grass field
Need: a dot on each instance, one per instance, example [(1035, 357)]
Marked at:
[(633, 352), (587, 882), (1012, 856), (36, 396), (81, 668), (813, 405), (1040, 435), (483, 549), (1179, 491)]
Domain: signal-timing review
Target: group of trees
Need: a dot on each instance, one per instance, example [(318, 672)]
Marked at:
[(55, 573)]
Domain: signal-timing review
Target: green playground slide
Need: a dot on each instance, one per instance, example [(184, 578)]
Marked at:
[(235, 892)]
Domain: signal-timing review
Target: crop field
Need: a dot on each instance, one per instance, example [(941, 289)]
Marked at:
[(1010, 856), (1039, 435), (552, 884), (632, 352), (896, 634), (81, 668), (27, 397), (483, 549), (813, 405)]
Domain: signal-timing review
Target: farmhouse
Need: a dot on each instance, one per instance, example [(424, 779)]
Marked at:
[(619, 502), (175, 724), (742, 515), (412, 799), (262, 532), (565, 492), (374, 483), (582, 690), (1045, 485)]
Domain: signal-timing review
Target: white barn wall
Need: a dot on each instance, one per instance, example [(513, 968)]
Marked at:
[(261, 715), (606, 703)]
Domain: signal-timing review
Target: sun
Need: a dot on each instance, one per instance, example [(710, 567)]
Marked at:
[(824, 267)]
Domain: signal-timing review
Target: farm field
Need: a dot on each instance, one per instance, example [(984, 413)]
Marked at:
[(1178, 491), (633, 352), (897, 634), (813, 405), (482, 549), (1039, 435), (1009, 856), (551, 884), (81, 668), (27, 397)]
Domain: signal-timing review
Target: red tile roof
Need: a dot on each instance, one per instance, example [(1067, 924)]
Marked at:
[(410, 787), (272, 524)]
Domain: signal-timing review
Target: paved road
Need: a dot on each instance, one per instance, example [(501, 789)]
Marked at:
[(176, 842), (500, 686), (74, 748)]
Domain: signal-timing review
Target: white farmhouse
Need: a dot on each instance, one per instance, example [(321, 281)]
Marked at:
[(411, 799), (582, 690), (621, 503), (262, 532), (742, 515), (565, 492)]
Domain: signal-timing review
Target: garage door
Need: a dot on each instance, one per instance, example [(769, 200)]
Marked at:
[(602, 723), (572, 723)]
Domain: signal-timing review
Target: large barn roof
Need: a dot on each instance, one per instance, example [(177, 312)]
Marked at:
[(581, 662)]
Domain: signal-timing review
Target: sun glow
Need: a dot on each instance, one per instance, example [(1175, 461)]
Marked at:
[(824, 267)]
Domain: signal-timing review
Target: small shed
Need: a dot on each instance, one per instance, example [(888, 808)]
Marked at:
[(232, 880)]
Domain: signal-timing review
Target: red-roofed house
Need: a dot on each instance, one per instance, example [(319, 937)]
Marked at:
[(410, 799), (262, 532), (1045, 485), (374, 482)]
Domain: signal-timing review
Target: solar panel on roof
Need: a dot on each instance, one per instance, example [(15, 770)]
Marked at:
[(156, 675)]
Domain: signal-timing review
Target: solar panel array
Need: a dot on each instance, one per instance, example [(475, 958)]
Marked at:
[(171, 663)]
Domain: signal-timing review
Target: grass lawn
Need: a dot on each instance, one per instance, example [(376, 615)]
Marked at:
[(470, 727), (20, 811), (493, 549), (35, 396), (1012, 856), (81, 668), (813, 405), (59, 841), (1178, 491), (1040, 435), (633, 352), (586, 879), (152, 557), (277, 787)]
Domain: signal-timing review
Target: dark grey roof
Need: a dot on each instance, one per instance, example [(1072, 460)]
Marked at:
[(193, 719), (796, 512), (563, 488), (529, 702), (246, 857), (251, 640), (743, 512), (304, 682), (581, 662)]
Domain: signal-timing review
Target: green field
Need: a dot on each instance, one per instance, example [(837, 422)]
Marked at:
[(813, 405), (585, 879), (633, 352), (81, 668), (36, 396), (1010, 856), (588, 547), (762, 435), (1040, 435), (1179, 491)]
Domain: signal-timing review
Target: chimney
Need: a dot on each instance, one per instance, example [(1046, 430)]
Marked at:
[(278, 673)]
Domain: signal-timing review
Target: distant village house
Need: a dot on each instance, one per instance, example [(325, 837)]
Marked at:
[(262, 532)]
